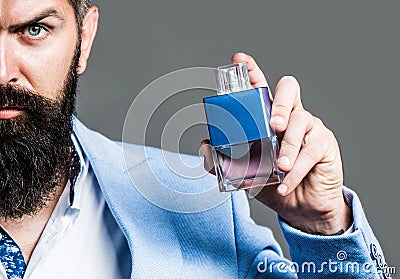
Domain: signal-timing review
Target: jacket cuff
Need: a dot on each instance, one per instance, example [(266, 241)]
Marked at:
[(356, 254)]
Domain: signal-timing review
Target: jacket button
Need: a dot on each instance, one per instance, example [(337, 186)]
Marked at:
[(380, 261), (374, 252)]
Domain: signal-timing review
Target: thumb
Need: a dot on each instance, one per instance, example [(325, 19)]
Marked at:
[(206, 149)]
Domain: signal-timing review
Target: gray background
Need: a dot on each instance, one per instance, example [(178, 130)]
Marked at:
[(344, 53)]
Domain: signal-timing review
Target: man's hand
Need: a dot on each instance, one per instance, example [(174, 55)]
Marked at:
[(310, 197)]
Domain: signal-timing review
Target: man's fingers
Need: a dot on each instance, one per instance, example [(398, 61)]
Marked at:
[(300, 123), (206, 149), (309, 156), (286, 99), (257, 78)]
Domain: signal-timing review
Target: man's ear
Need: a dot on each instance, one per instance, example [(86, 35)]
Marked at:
[(89, 30)]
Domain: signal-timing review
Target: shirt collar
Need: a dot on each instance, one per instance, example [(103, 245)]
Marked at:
[(76, 189)]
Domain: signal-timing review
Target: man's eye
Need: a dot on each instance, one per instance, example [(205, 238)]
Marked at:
[(35, 31)]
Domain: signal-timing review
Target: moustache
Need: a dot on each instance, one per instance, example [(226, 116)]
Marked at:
[(32, 103), (38, 113)]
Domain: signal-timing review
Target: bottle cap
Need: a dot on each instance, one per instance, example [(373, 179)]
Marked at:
[(232, 78)]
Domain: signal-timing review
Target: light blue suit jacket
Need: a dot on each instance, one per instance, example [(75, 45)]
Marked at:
[(174, 232)]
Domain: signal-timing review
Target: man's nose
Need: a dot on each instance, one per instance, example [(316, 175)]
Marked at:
[(8, 64)]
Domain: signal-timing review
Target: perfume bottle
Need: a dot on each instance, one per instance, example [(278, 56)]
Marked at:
[(244, 146)]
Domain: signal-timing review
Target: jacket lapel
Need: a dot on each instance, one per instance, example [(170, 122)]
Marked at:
[(147, 228)]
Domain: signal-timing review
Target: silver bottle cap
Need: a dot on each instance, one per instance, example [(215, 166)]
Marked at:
[(232, 78)]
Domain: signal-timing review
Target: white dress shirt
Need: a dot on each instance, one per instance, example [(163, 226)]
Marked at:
[(82, 239)]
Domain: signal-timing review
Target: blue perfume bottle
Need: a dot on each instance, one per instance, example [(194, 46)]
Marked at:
[(245, 147)]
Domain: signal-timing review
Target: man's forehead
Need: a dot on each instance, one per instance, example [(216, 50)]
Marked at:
[(15, 11)]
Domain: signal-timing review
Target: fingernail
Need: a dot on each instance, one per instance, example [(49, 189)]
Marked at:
[(282, 189), (277, 120), (284, 161)]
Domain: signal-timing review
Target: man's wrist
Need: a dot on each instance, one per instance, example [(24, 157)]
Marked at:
[(331, 223), (339, 222)]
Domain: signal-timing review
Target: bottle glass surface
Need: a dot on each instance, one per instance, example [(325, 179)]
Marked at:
[(247, 165), (245, 147)]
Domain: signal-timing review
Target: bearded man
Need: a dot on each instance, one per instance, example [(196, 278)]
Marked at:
[(68, 208)]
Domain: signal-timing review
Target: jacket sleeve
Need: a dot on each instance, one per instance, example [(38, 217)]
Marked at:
[(356, 254)]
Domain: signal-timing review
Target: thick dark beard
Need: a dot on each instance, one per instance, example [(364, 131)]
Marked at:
[(35, 146)]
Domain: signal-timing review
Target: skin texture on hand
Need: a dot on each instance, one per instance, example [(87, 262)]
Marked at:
[(310, 197)]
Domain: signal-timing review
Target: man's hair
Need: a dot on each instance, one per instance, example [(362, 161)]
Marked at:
[(80, 8)]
